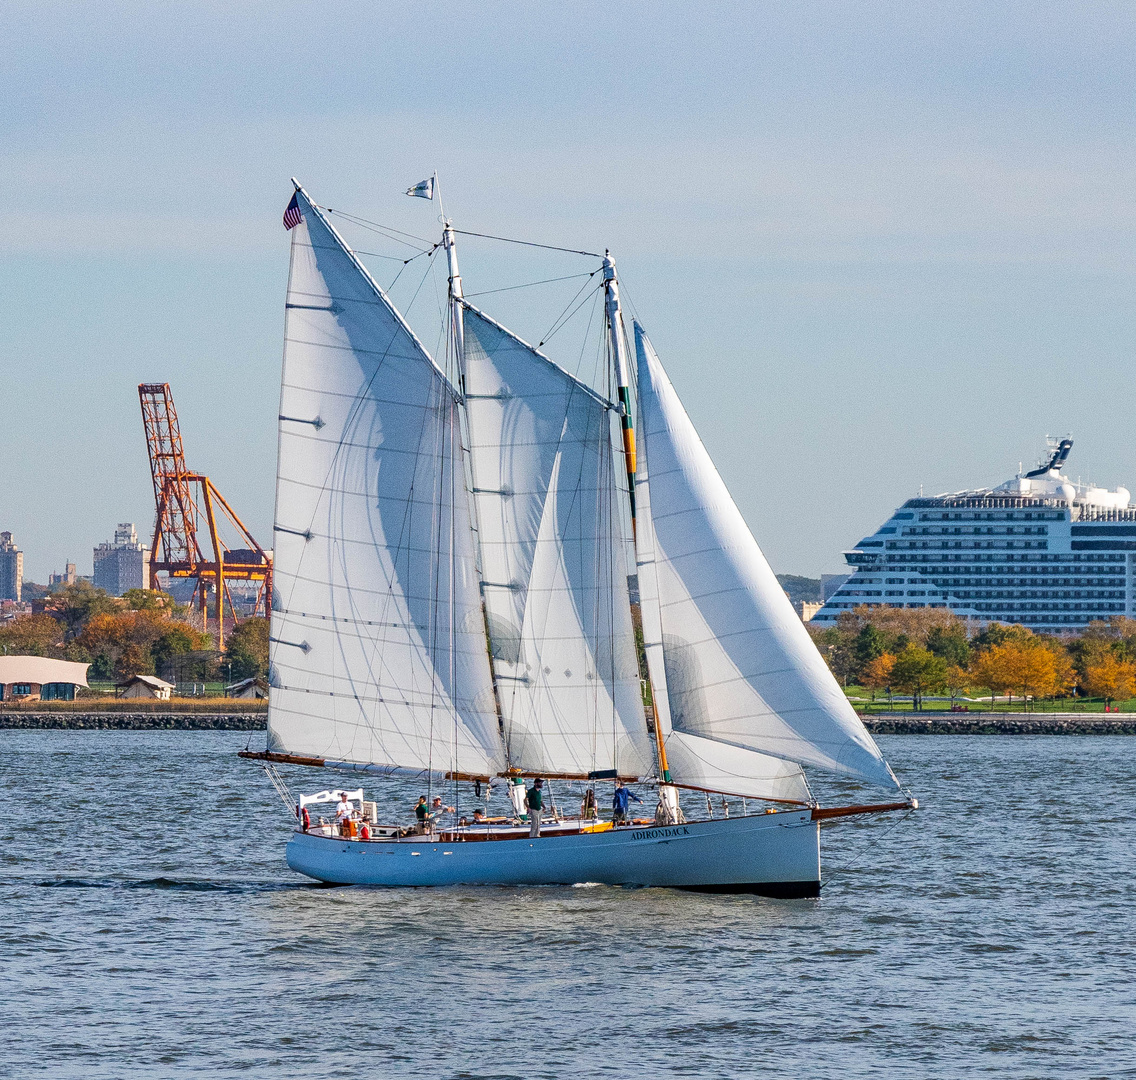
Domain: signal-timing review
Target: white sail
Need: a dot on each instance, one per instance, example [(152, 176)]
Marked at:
[(708, 765), (693, 760), (378, 652), (729, 658), (555, 579)]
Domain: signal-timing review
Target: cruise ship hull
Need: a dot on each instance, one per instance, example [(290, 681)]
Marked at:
[(771, 854)]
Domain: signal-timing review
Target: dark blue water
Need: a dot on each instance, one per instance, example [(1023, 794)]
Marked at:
[(150, 928)]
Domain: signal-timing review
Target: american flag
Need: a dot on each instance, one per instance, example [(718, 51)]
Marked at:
[(292, 215)]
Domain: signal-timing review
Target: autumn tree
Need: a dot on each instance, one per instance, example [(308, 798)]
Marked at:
[(915, 624), (957, 681), (75, 605), (877, 673), (1023, 664), (1111, 679), (991, 668), (136, 642), (918, 671), (31, 635)]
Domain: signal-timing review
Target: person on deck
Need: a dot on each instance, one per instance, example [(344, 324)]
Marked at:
[(422, 815), (441, 816), (588, 807), (534, 803), (620, 803), (343, 813)]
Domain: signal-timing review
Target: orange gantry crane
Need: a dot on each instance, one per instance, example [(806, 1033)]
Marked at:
[(182, 497)]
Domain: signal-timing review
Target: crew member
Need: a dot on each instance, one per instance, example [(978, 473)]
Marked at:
[(588, 807), (422, 814), (440, 814), (620, 803), (534, 803), (343, 813)]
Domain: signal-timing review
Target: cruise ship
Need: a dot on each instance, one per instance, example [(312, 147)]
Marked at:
[(1038, 550)]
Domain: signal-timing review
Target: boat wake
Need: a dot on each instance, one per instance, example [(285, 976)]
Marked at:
[(173, 885)]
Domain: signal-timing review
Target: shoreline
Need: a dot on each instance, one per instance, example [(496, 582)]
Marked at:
[(877, 723), (995, 723), (124, 721)]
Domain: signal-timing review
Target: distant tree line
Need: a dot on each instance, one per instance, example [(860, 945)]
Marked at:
[(925, 651), (140, 633)]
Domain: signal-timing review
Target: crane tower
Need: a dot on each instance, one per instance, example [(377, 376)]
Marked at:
[(184, 499)]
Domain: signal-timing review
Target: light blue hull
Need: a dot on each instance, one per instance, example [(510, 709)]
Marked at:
[(773, 854)]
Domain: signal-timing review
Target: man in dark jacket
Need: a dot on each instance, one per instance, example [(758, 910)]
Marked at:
[(620, 803), (534, 803)]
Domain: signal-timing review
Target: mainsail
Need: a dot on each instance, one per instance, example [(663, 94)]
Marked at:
[(730, 662), (555, 580), (378, 652)]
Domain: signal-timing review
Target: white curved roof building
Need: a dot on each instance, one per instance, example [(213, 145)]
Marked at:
[(31, 677)]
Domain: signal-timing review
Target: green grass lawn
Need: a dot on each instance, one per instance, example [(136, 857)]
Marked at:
[(974, 701)]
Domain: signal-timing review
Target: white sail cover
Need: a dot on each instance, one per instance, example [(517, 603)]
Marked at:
[(730, 660), (555, 577), (378, 653)]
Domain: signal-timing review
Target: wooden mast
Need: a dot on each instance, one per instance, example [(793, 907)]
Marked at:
[(623, 383)]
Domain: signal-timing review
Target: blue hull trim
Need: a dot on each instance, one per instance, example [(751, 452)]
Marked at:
[(771, 854)]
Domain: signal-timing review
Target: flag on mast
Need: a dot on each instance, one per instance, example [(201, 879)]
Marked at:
[(422, 190), (292, 215)]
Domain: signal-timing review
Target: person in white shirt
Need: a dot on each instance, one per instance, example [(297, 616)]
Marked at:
[(441, 816), (343, 812)]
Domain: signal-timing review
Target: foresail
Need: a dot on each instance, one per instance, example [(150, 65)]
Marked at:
[(378, 652), (709, 765), (553, 565), (730, 660)]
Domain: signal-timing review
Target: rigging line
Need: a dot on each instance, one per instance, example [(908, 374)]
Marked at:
[(565, 319), (865, 849), (391, 258), (529, 243), (584, 345), (429, 267), (530, 284), (407, 262), (375, 226)]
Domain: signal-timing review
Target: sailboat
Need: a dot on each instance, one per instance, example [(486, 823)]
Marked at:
[(480, 579)]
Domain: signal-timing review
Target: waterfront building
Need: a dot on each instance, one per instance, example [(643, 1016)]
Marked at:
[(144, 686), (11, 568), (40, 678), (1037, 550), (121, 564)]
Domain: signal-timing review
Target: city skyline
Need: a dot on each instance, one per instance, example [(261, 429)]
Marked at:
[(877, 247)]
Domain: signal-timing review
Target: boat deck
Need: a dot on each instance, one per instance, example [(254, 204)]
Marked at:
[(493, 829)]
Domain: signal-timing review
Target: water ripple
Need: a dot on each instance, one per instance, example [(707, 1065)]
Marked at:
[(989, 935)]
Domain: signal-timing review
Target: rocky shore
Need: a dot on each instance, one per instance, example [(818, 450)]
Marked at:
[(878, 723), (124, 721), (993, 723)]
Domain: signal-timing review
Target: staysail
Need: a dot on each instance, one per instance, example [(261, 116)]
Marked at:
[(378, 652), (555, 576), (730, 661)]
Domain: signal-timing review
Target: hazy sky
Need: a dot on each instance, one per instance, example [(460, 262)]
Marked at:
[(877, 245)]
